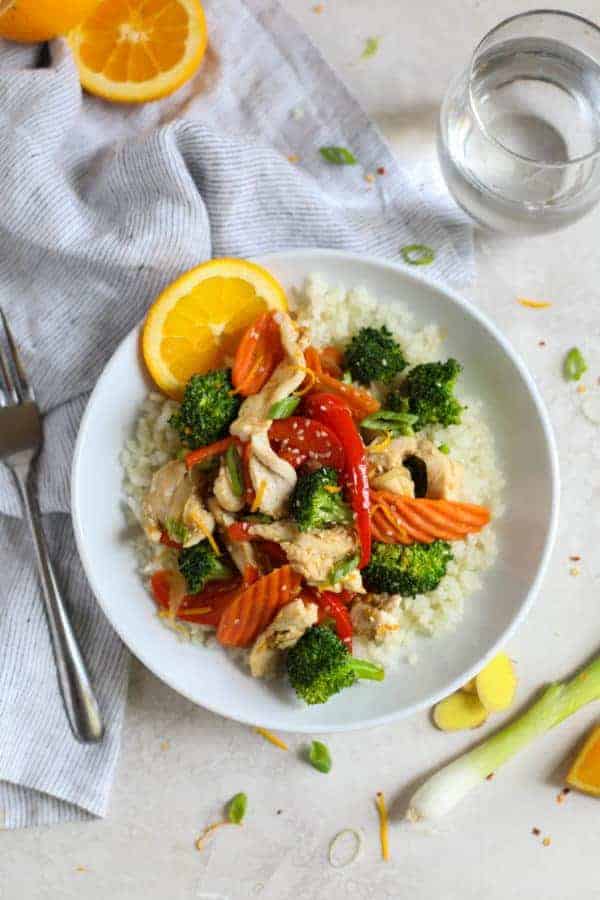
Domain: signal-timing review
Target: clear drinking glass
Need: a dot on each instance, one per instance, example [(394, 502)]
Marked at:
[(519, 138)]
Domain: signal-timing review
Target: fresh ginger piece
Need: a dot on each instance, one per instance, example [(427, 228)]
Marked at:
[(459, 711), (584, 774), (496, 684), (470, 687)]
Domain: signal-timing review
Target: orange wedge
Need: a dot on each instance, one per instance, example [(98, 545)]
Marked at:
[(132, 51), (197, 322), (40, 20), (585, 771)]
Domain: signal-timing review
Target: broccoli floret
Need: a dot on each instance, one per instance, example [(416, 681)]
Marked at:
[(374, 355), (199, 565), (406, 570), (317, 501), (209, 407), (319, 666), (428, 393)]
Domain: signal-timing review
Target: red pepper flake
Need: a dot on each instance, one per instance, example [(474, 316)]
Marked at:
[(547, 841), (381, 170), (536, 831), (575, 558)]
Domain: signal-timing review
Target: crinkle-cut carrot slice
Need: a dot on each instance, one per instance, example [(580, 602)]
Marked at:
[(258, 354), (403, 520), (254, 607)]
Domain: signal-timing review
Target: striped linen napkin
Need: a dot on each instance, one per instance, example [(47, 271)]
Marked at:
[(100, 207)]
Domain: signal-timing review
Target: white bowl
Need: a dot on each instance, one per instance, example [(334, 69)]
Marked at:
[(526, 532)]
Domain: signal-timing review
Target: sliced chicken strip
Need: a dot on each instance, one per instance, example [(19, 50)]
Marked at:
[(223, 491), (172, 496), (285, 630), (444, 475), (397, 480), (197, 520), (272, 477), (243, 553), (371, 622), (287, 377), (311, 553)]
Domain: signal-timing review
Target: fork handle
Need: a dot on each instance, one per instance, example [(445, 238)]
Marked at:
[(79, 700)]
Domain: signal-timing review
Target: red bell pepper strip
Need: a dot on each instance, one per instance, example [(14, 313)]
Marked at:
[(169, 542), (197, 456), (333, 412), (213, 599), (332, 606), (239, 531)]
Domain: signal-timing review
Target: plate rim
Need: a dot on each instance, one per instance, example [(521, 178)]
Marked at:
[(551, 531)]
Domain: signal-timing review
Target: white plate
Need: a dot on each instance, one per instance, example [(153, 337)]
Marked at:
[(526, 532)]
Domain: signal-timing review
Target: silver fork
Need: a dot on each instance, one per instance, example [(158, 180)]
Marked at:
[(20, 442)]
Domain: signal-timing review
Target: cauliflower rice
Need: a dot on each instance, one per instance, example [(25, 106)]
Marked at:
[(333, 315)]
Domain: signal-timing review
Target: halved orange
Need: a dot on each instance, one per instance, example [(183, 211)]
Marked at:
[(132, 51), (197, 322), (40, 20)]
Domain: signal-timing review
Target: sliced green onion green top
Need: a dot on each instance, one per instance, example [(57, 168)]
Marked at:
[(347, 377), (342, 568), (258, 518), (236, 809), (417, 254), (338, 156), (371, 47), (574, 365), (234, 470), (444, 448), (396, 423), (283, 408), (319, 757), (177, 531)]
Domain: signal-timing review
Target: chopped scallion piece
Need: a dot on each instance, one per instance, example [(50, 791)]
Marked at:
[(574, 365), (236, 809), (319, 757), (347, 377), (283, 408), (371, 47), (338, 156), (395, 423), (342, 569), (417, 254), (444, 448), (234, 470)]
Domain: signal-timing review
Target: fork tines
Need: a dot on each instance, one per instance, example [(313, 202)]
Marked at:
[(13, 380)]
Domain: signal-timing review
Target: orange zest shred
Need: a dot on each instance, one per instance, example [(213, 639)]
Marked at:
[(534, 304), (271, 738), (381, 445), (312, 380), (383, 826), (332, 488), (260, 493), (207, 832), (197, 610), (202, 527)]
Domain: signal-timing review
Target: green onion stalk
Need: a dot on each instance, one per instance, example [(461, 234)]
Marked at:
[(440, 793)]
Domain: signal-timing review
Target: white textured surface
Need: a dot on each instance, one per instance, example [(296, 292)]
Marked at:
[(485, 849)]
